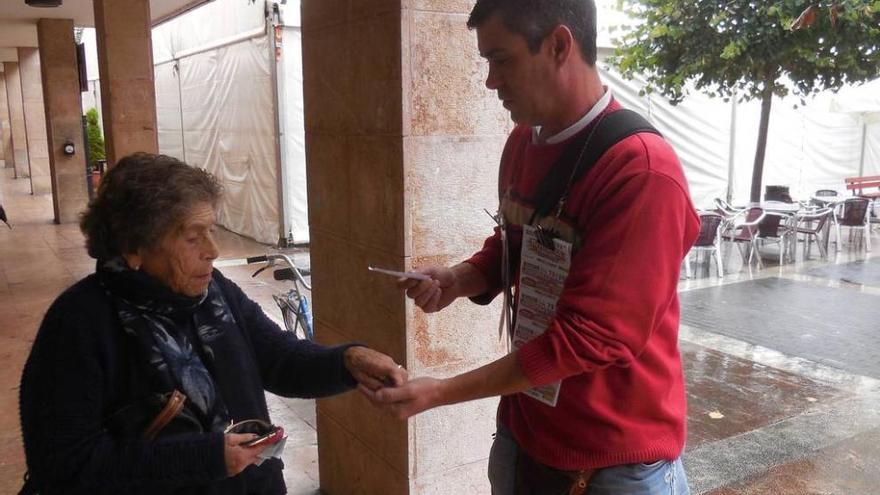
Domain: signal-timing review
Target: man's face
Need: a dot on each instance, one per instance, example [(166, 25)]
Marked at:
[(523, 80)]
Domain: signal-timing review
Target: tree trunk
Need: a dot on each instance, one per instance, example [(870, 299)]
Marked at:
[(758, 170)]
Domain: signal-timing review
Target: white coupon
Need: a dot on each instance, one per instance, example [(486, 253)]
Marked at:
[(542, 275), (274, 450)]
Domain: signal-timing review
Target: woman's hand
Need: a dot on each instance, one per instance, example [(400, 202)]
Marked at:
[(372, 369), (435, 294), (237, 456)]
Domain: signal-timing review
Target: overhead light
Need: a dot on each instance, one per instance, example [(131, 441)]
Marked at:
[(43, 3)]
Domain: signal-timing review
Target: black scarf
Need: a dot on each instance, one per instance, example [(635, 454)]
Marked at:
[(164, 325)]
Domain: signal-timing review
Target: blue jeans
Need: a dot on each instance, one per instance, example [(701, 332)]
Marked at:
[(658, 478)]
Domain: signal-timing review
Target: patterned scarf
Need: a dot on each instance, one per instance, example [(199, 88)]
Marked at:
[(161, 322)]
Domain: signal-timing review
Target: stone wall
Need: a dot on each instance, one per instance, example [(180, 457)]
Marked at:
[(402, 143)]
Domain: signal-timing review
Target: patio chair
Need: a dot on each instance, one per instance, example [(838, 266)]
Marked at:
[(744, 231), (776, 228), (811, 225), (853, 214), (725, 209), (824, 198), (727, 212), (708, 240)]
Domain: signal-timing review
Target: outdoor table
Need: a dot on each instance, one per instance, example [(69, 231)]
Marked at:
[(779, 206)]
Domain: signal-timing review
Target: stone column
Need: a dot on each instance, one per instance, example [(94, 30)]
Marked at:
[(402, 143), (128, 93), (5, 131), (35, 120), (63, 117), (16, 119)]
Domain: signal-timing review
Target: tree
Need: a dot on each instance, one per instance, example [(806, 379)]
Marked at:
[(96, 140), (751, 49)]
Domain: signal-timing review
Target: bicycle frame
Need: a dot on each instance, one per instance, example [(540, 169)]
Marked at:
[(293, 304)]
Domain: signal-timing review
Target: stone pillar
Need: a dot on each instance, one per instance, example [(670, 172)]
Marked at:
[(5, 131), (35, 120), (402, 143), (128, 93), (63, 117), (16, 119)]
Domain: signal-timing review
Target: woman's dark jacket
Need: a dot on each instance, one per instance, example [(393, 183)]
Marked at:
[(81, 370)]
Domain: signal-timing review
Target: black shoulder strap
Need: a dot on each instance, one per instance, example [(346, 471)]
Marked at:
[(613, 128)]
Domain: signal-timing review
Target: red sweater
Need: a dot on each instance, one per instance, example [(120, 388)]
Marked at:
[(614, 338)]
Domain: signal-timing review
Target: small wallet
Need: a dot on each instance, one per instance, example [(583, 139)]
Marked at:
[(266, 432)]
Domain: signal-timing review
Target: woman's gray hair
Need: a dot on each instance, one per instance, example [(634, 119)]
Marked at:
[(140, 200)]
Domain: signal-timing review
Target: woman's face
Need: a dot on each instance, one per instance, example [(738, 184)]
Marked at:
[(184, 258)]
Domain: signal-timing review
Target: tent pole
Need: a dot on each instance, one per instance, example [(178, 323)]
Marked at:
[(864, 143), (732, 150), (274, 31), (180, 107)]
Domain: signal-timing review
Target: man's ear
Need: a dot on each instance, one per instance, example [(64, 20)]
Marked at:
[(561, 43)]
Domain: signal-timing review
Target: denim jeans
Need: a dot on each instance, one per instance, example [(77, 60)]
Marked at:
[(658, 478)]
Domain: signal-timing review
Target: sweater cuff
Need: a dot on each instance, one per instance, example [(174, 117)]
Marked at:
[(216, 460), (190, 457), (537, 362)]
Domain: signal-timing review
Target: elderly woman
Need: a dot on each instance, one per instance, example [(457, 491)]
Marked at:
[(155, 318)]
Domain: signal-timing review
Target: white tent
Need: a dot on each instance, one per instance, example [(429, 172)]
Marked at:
[(228, 102), (220, 82), (810, 147), (863, 102)]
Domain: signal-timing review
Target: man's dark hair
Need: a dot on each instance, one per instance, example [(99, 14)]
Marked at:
[(140, 200), (535, 19)]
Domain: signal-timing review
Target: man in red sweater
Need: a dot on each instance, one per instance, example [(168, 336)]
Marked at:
[(618, 424)]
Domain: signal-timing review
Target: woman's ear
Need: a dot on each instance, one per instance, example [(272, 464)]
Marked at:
[(133, 260)]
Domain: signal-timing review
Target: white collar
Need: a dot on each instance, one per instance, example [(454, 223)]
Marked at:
[(578, 126)]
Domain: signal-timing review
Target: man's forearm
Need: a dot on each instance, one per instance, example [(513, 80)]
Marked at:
[(469, 281), (500, 377)]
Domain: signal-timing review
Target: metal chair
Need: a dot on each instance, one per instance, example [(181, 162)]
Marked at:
[(811, 225), (853, 214), (725, 209), (727, 212), (708, 240), (744, 230), (776, 228)]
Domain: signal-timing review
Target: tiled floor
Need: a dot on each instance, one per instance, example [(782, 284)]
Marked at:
[(761, 421)]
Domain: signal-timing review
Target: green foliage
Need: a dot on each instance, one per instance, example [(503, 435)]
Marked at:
[(747, 47), (96, 139)]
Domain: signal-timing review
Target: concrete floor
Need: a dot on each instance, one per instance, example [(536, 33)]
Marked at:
[(761, 421)]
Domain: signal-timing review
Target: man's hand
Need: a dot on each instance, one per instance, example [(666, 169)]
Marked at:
[(435, 294), (372, 369), (239, 457), (410, 399)]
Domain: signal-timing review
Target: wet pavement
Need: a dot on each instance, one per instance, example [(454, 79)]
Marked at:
[(799, 318), (781, 364)]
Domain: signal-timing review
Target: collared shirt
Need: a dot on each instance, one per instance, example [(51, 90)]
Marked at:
[(578, 126)]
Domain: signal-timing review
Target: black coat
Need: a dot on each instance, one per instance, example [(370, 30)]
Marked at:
[(80, 370)]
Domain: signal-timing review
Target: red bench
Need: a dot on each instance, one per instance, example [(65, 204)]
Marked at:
[(858, 184)]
